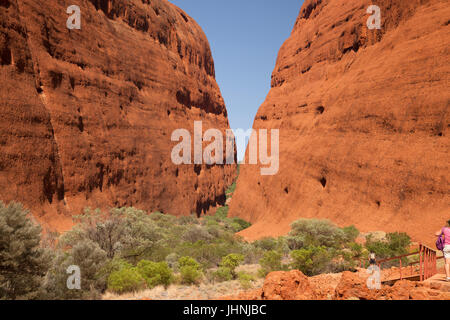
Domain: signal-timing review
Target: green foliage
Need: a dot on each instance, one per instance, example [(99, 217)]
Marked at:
[(223, 274), (312, 232), (351, 233), (155, 273), (246, 280), (189, 270), (188, 262), (128, 231), (222, 212), (396, 244), (271, 261), (232, 261), (23, 263), (125, 280), (107, 246), (229, 192), (312, 260), (356, 249), (91, 260), (271, 244), (399, 242), (227, 269), (237, 224)]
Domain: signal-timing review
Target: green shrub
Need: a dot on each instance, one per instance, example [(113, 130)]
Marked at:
[(312, 232), (172, 261), (155, 273), (126, 280), (246, 279), (267, 244), (93, 264), (232, 261), (222, 212), (351, 233), (271, 261), (223, 274), (356, 249), (399, 242), (23, 263), (188, 262), (238, 224), (190, 275), (195, 233), (312, 260), (230, 190), (396, 244), (189, 270)]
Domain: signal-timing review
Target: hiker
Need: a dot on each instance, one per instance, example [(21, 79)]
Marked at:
[(372, 259), (445, 233)]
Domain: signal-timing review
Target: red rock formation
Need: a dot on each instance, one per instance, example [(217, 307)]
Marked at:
[(87, 115), (364, 122), (280, 285), (293, 285)]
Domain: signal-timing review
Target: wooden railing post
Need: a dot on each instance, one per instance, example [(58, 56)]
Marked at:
[(421, 262)]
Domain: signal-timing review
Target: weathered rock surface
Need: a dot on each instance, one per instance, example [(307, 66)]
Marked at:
[(293, 285), (364, 122), (87, 115)]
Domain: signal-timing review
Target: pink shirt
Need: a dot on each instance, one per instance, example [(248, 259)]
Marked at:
[(446, 232)]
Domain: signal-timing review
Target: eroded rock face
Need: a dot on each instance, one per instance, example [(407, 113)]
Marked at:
[(364, 122), (294, 285), (87, 115)]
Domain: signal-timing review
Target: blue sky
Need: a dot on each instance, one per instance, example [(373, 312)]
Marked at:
[(245, 37)]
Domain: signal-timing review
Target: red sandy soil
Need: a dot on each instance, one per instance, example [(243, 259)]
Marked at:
[(87, 115), (364, 122)]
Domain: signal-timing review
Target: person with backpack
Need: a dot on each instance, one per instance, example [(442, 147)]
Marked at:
[(443, 243)]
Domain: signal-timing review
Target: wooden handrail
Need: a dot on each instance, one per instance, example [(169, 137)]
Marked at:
[(427, 259)]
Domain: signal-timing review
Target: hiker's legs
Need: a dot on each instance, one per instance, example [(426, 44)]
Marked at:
[(447, 267)]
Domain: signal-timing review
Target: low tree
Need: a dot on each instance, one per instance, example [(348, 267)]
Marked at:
[(23, 262)]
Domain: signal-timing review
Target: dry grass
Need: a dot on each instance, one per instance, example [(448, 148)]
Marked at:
[(204, 291)]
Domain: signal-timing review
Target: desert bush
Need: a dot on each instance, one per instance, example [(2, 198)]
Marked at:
[(229, 192), (356, 249), (189, 270), (271, 261), (351, 233), (267, 244), (91, 260), (188, 220), (155, 273), (232, 261), (273, 244), (316, 233), (312, 260), (172, 261), (195, 233), (126, 280), (222, 213), (399, 242), (246, 279), (227, 269), (23, 263), (238, 224), (396, 244), (128, 231), (223, 274)]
